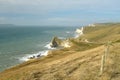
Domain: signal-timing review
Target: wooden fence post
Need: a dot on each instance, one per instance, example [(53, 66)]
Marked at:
[(104, 57), (102, 64)]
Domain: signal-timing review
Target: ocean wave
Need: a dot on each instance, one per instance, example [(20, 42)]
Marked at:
[(68, 32), (36, 55), (48, 46)]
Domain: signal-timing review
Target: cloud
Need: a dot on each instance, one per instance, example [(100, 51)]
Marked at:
[(58, 11), (42, 6)]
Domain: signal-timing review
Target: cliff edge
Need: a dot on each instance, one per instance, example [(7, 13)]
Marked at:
[(93, 56)]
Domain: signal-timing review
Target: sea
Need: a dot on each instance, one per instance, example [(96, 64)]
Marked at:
[(18, 43)]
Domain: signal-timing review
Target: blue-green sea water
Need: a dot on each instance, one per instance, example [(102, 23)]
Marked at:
[(18, 42)]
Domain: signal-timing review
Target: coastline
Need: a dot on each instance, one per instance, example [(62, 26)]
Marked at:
[(64, 42), (17, 46), (80, 61)]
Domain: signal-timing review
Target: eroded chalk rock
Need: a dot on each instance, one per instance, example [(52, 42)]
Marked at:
[(55, 42)]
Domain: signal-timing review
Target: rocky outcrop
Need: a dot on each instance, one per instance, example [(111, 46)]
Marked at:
[(55, 42)]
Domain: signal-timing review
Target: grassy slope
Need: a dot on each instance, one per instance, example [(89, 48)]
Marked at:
[(103, 33), (80, 62)]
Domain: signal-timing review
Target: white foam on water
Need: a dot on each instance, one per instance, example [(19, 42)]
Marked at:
[(28, 56), (45, 53), (48, 46), (25, 58), (68, 32)]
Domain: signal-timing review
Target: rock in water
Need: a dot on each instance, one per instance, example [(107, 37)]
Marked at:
[(54, 42)]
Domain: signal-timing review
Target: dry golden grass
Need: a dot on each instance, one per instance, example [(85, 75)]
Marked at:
[(55, 67), (103, 33), (80, 62), (82, 65)]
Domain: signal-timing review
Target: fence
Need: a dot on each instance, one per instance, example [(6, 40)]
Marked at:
[(104, 57)]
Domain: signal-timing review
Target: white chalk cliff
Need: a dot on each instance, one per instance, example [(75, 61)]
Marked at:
[(79, 32)]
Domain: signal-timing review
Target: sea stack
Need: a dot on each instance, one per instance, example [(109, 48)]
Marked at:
[(54, 42)]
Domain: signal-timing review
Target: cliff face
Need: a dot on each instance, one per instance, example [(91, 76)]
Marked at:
[(80, 61), (56, 42)]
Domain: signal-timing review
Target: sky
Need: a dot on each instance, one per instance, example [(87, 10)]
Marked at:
[(59, 12)]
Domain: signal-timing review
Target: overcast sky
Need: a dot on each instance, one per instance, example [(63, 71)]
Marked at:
[(58, 12)]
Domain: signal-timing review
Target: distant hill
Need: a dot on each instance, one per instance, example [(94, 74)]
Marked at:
[(103, 32), (6, 25)]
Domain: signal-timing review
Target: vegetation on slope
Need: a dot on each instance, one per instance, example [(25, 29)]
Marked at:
[(82, 61), (103, 33)]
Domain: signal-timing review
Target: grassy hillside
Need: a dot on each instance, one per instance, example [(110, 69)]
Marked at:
[(103, 32), (80, 62)]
